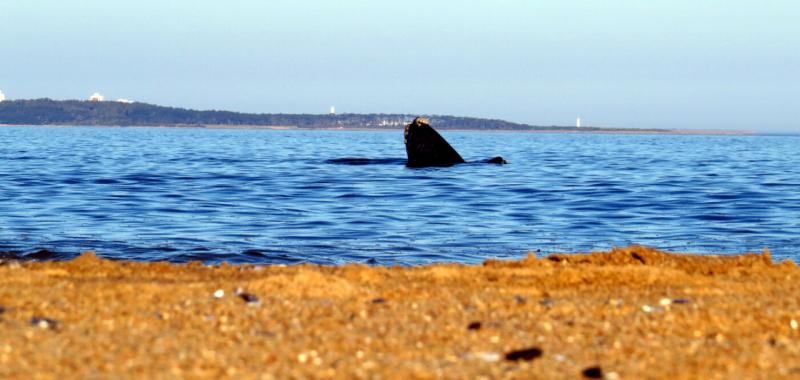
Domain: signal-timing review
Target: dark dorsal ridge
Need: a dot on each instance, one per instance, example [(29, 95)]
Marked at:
[(426, 147)]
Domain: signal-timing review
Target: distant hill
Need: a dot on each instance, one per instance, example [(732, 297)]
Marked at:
[(111, 113)]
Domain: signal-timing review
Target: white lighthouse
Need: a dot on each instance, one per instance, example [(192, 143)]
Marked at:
[(2, 96), (333, 110), (578, 122)]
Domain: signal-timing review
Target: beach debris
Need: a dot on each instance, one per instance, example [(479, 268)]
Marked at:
[(793, 323), (680, 301), (378, 300), (249, 298), (638, 258), (547, 302), (44, 323), (474, 325), (219, 293), (772, 342), (525, 354), (665, 302), (488, 356), (594, 372), (246, 297), (652, 309), (520, 299), (2, 309)]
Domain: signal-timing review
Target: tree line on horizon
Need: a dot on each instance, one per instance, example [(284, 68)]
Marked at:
[(111, 113)]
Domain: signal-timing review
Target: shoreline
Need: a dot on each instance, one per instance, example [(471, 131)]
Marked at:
[(352, 129), (629, 313)]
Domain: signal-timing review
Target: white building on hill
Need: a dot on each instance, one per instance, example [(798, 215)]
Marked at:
[(96, 97), (126, 101), (2, 96)]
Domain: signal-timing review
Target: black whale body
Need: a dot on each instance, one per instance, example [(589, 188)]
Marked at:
[(424, 147)]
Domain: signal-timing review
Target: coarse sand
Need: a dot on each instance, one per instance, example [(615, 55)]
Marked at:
[(632, 313)]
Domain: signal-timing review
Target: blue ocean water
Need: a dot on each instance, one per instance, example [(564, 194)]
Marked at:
[(263, 196)]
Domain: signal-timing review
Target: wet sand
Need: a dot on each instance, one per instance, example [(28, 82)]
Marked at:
[(633, 313)]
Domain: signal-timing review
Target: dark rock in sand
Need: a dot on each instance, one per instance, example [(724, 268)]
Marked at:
[(524, 354), (593, 373), (249, 298), (474, 326), (426, 147)]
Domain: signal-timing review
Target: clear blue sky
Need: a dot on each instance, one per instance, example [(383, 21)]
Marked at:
[(675, 64)]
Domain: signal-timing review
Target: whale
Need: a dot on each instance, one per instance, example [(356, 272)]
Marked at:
[(427, 148), (424, 148)]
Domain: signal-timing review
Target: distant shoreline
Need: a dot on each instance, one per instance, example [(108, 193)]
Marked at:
[(372, 129), (49, 112)]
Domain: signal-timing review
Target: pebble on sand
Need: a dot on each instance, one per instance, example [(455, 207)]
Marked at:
[(44, 323), (488, 356), (249, 298), (593, 373), (524, 354), (474, 325)]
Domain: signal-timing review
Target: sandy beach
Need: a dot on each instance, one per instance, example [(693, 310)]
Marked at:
[(632, 313)]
